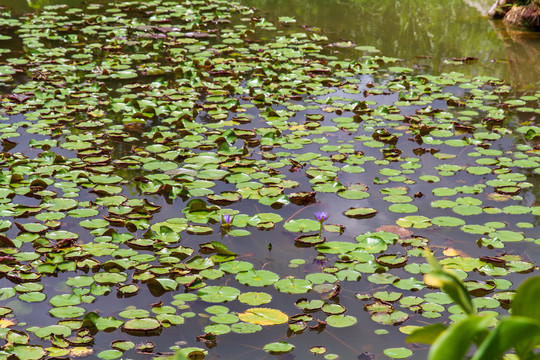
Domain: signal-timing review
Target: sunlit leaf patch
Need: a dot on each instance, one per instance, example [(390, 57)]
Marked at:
[(263, 316)]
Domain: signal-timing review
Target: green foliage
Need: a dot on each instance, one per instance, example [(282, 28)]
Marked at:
[(37, 4), (520, 331), (448, 283), (191, 353), (522, 2)]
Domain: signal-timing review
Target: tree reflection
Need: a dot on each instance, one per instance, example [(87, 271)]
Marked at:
[(438, 29), (523, 54)]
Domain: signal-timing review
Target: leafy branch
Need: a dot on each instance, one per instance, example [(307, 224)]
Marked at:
[(520, 331)]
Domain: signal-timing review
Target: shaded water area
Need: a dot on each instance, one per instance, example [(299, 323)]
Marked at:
[(130, 132)]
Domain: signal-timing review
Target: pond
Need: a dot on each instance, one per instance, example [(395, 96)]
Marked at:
[(256, 184)]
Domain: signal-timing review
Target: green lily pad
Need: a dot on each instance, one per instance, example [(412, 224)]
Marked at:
[(29, 352), (386, 296), (447, 221), (393, 318), (353, 194), (359, 213), (67, 312), (65, 300), (60, 330), (279, 347), (302, 225), (335, 247), (398, 353), (142, 325), (255, 298), (403, 208), (293, 286), (110, 278), (134, 313), (418, 222), (257, 277), (122, 345), (340, 321), (110, 354), (218, 294)]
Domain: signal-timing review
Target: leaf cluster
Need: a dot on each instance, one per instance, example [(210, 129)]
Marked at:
[(520, 331)]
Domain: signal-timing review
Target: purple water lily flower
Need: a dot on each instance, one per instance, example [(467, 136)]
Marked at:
[(226, 220), (321, 216)]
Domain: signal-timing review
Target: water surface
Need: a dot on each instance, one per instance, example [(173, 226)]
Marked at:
[(430, 32)]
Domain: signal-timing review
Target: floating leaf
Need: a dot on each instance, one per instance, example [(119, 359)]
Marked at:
[(67, 312), (263, 316), (29, 352), (280, 347), (393, 318), (257, 277), (397, 353), (302, 225), (447, 221), (418, 222), (218, 294), (293, 286), (340, 321), (255, 298), (359, 213), (142, 325), (109, 354)]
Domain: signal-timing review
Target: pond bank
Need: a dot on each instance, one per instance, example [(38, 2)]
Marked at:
[(514, 14)]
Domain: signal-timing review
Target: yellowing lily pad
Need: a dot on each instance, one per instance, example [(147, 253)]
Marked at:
[(263, 316)]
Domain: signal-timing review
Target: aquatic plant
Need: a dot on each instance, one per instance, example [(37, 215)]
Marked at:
[(493, 336), (226, 220), (321, 217)]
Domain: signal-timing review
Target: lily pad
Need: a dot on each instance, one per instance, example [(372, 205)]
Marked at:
[(263, 316), (142, 325), (340, 321), (360, 213), (279, 347), (398, 353), (257, 277), (218, 294)]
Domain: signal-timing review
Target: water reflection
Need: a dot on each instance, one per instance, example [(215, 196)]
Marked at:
[(522, 50), (436, 30)]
